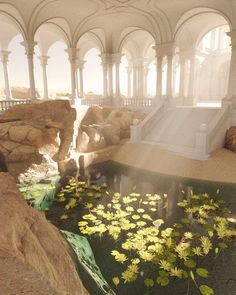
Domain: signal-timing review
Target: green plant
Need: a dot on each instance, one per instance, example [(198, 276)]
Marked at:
[(156, 254)]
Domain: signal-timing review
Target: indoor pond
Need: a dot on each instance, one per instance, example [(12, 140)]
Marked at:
[(149, 234)]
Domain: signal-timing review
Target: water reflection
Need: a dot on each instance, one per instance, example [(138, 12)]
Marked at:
[(172, 190)]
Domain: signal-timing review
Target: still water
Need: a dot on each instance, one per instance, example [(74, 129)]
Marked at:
[(126, 180)]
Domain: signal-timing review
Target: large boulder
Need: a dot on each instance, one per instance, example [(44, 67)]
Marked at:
[(34, 257), (110, 132), (31, 133), (52, 130), (96, 138), (123, 119), (94, 115), (230, 139)]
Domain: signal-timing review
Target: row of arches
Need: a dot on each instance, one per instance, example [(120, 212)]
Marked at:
[(200, 60)]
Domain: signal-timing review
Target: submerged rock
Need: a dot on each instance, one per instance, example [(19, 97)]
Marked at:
[(34, 257)]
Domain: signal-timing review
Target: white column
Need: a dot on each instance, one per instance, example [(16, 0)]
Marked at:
[(159, 68), (29, 51), (44, 63), (169, 76), (73, 54), (231, 93), (4, 59), (221, 38), (140, 77), (159, 65), (175, 67), (145, 74), (182, 61), (166, 49), (191, 79), (105, 75), (135, 78), (80, 66), (104, 68), (129, 71), (107, 63), (110, 77), (213, 39), (117, 60)]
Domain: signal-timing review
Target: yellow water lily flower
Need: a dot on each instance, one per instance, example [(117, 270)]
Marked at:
[(119, 257), (116, 281), (72, 203)]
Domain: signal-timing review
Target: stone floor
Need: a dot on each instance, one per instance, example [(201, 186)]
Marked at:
[(221, 166)]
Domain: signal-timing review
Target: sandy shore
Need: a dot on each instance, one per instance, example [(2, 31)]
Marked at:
[(221, 166)]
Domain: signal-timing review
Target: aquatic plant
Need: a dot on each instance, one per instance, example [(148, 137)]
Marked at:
[(40, 193), (156, 254)]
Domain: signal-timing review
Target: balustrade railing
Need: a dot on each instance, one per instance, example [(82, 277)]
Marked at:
[(96, 101), (139, 131), (212, 136), (6, 104), (137, 102)]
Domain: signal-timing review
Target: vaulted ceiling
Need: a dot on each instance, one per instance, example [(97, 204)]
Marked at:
[(161, 19)]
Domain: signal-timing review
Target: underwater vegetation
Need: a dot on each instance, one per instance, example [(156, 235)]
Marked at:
[(148, 248)]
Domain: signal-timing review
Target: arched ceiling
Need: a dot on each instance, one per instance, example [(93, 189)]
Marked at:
[(160, 18), (91, 39), (7, 25), (135, 42), (195, 27), (48, 34)]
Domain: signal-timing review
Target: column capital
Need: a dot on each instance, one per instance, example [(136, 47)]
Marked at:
[(80, 64), (139, 62), (106, 58), (116, 57), (73, 54), (111, 58), (164, 49), (29, 47), (4, 54), (232, 35), (44, 60)]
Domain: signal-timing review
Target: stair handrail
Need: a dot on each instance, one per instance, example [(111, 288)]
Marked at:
[(140, 129), (216, 122), (206, 133)]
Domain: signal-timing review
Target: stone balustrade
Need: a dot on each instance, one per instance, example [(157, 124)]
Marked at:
[(6, 104)]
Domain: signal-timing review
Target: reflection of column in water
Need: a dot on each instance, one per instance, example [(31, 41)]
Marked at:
[(81, 168), (172, 194), (146, 188), (160, 207), (126, 184), (116, 183), (189, 193)]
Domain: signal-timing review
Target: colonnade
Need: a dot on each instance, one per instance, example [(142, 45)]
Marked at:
[(137, 72)]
